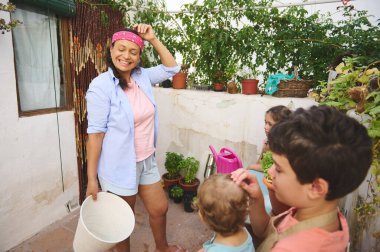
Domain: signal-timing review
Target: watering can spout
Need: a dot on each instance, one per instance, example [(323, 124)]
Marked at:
[(213, 153)]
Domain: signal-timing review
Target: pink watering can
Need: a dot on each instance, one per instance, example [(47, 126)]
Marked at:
[(226, 161)]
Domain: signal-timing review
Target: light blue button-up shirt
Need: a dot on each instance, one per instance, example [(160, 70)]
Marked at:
[(109, 112)]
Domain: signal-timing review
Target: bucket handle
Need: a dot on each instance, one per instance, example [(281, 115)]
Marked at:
[(240, 164)]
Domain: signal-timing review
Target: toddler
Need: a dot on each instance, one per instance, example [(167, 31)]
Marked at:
[(223, 206)]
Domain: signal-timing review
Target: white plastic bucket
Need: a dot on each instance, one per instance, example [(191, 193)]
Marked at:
[(103, 223)]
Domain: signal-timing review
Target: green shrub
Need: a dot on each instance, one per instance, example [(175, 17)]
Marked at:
[(172, 164), (176, 191), (189, 167)]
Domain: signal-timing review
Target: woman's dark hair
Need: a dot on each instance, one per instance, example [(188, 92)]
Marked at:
[(279, 113), (122, 82)]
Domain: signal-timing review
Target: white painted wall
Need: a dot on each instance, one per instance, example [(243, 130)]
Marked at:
[(191, 120), (32, 196)]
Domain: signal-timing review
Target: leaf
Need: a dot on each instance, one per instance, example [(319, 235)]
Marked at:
[(374, 133), (333, 103), (374, 111), (341, 68)]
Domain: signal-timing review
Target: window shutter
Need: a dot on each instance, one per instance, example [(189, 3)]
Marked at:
[(64, 8)]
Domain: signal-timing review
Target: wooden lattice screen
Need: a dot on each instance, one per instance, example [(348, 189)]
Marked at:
[(90, 32)]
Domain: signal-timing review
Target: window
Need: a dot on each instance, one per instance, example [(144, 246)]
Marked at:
[(41, 56)]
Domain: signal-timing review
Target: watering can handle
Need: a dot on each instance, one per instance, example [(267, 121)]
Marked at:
[(233, 153), (213, 152)]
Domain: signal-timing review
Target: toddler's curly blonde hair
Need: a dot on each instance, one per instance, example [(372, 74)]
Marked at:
[(222, 204)]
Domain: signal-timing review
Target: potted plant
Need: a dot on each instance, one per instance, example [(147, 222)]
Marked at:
[(218, 80), (188, 201), (189, 168), (249, 81), (232, 87), (266, 163), (179, 80), (173, 170), (176, 193)]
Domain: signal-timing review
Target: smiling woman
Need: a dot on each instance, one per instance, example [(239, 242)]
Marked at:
[(125, 53), (122, 128)]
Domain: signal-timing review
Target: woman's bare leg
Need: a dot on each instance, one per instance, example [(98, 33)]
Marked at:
[(156, 204), (124, 246)]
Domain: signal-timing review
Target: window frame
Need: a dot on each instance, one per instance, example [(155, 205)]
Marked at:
[(65, 70)]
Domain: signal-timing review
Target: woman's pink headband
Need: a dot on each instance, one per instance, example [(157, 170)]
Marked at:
[(130, 36)]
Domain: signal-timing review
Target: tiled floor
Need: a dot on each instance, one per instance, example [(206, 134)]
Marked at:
[(183, 228)]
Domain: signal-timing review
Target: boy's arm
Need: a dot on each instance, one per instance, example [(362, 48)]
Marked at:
[(258, 216)]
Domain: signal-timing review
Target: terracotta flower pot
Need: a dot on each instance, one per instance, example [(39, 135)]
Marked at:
[(179, 80), (218, 86), (277, 206), (249, 86), (169, 182), (193, 187)]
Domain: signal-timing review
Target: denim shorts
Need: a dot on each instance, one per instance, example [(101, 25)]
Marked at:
[(146, 174)]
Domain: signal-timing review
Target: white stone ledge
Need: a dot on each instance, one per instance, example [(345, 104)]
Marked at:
[(191, 120)]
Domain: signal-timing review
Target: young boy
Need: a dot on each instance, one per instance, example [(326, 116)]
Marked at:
[(320, 155)]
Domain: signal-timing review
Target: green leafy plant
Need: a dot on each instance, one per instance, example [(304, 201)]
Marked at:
[(7, 26), (266, 163), (176, 192), (189, 167), (172, 162), (356, 91), (214, 35)]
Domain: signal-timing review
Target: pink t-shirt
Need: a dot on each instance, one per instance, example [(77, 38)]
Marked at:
[(143, 114), (314, 239)]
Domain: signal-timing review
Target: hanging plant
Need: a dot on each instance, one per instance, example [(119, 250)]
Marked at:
[(7, 26)]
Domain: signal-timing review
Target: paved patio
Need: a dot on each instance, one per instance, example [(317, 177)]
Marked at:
[(183, 228)]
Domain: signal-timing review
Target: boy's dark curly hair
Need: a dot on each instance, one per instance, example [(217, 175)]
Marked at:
[(322, 142)]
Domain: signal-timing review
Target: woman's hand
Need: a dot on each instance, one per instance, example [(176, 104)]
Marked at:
[(145, 31), (92, 188)]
